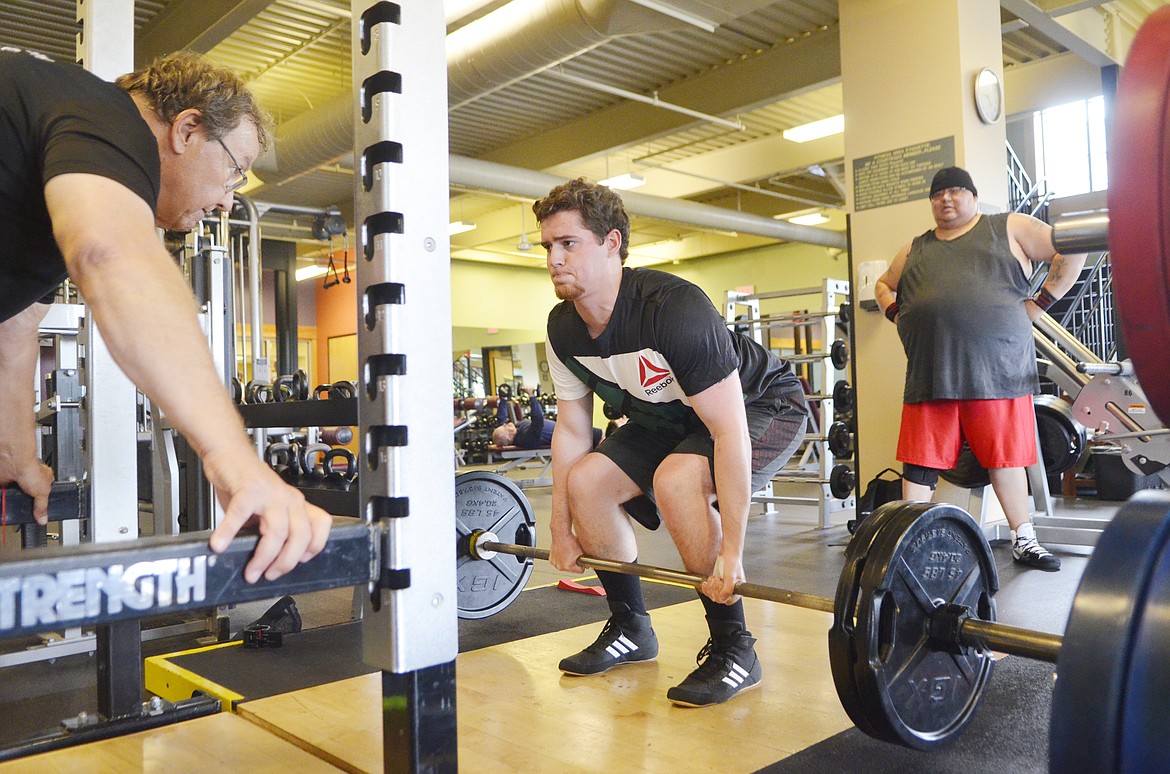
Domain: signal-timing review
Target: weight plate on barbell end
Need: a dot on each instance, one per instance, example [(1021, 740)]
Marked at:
[(1062, 437), (968, 472), (1100, 653), (839, 354), (489, 502), (1139, 218), (1145, 723), (842, 479), (842, 646), (916, 692)]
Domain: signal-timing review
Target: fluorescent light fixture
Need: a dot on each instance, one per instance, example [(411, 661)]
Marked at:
[(816, 130), (455, 10), (310, 272), (624, 182), (460, 227), (811, 219)]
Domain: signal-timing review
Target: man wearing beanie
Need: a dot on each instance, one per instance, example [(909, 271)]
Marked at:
[(959, 296)]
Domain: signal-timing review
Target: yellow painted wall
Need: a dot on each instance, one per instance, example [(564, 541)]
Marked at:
[(515, 301), (765, 269)]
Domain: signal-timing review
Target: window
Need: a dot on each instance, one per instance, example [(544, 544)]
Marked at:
[(1070, 145)]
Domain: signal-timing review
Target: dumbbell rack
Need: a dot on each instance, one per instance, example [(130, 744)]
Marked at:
[(310, 413), (813, 464)]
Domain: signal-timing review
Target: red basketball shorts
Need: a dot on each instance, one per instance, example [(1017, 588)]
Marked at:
[(1001, 432)]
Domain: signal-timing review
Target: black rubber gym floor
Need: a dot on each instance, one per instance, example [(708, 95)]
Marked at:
[(1009, 733)]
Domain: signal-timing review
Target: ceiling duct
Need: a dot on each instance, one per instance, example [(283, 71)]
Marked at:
[(509, 44), (527, 36), (490, 176), (312, 139)]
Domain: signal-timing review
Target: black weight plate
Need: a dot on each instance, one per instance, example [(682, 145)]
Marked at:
[(968, 472), (840, 440), (1062, 438), (1100, 642), (842, 647), (839, 354), (927, 556), (842, 480), (1145, 723), (843, 396), (488, 502)]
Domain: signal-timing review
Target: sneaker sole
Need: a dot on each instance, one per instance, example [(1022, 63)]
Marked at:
[(689, 705), (627, 662), (1036, 567)]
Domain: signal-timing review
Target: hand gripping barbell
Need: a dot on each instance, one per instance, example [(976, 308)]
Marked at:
[(914, 627)]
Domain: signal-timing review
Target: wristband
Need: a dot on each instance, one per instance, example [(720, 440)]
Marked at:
[(1044, 299), (892, 311)]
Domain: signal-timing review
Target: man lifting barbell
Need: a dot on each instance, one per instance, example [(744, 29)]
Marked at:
[(959, 296), (88, 169), (712, 414)]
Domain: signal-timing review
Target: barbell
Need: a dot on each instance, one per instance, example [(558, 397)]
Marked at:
[(914, 630)]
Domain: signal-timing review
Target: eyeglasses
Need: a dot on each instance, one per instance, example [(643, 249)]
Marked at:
[(953, 192), (234, 185)]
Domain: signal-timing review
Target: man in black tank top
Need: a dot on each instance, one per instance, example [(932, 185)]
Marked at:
[(88, 170), (959, 296), (711, 412)]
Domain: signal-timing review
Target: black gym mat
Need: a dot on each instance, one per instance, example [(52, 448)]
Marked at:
[(319, 656), (1009, 734)]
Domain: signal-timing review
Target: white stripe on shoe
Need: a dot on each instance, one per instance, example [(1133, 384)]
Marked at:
[(735, 676), (622, 646)]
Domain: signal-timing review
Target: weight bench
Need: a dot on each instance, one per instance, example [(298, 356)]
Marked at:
[(524, 459)]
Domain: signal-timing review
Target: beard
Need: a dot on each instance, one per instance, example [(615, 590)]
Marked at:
[(569, 291)]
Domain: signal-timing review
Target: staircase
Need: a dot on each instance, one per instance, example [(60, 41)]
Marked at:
[(1024, 195), (1086, 310)]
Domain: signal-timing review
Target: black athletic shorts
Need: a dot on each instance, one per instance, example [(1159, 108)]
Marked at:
[(776, 432)]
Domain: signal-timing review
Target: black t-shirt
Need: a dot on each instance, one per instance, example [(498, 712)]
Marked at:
[(57, 118), (665, 341)]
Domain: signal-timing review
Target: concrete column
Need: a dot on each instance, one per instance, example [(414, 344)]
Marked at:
[(908, 68)]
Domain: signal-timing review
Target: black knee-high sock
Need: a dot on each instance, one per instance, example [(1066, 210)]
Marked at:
[(725, 617), (622, 592)]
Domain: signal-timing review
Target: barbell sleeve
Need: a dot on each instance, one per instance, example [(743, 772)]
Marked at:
[(1086, 233)]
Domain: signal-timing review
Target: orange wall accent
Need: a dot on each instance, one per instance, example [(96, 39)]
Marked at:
[(336, 316)]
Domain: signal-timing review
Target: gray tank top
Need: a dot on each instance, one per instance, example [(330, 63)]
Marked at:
[(962, 319)]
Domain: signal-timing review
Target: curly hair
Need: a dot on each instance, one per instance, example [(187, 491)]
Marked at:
[(175, 82), (600, 208)]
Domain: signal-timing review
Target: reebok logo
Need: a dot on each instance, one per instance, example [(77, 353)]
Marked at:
[(650, 375)]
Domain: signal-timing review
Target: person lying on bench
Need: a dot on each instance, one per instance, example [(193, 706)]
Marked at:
[(532, 433)]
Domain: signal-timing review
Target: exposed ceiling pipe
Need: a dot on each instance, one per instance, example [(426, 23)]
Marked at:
[(516, 41), (513, 42), (491, 176), (312, 139), (527, 36)]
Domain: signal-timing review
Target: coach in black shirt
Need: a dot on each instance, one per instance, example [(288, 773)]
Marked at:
[(88, 170)]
